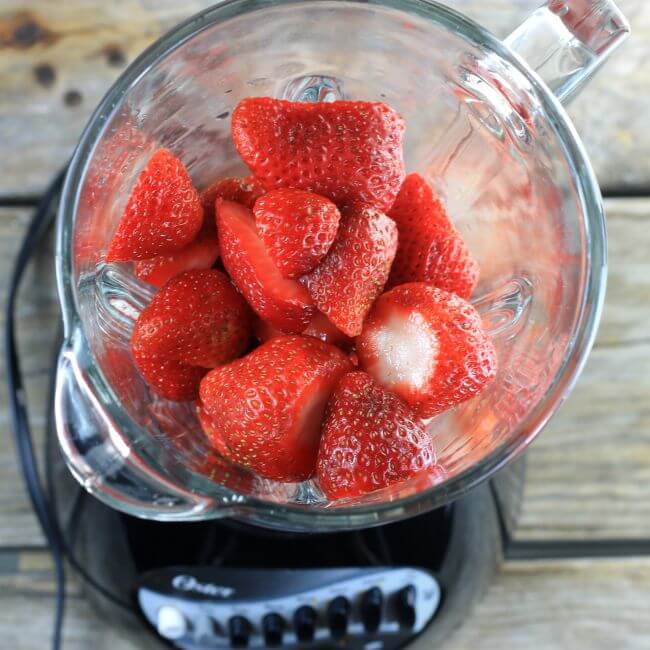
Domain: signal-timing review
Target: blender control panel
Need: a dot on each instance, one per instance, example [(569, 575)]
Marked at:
[(373, 608)]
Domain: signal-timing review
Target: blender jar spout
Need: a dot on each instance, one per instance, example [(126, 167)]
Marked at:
[(566, 41)]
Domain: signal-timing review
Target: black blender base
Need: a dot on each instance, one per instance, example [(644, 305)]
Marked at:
[(220, 578)]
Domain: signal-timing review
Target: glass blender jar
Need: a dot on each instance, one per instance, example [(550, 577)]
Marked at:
[(485, 124)]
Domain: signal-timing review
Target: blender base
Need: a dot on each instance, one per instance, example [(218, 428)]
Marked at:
[(210, 584)]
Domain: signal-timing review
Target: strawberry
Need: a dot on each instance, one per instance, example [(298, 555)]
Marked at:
[(162, 215), (171, 379), (213, 434), (427, 346), (241, 190), (430, 248), (370, 440), (321, 327), (283, 302), (202, 253), (297, 228), (350, 152), (197, 318), (266, 409), (354, 273), (222, 471)]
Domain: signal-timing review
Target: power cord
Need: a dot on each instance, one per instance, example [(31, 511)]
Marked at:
[(38, 227), (42, 498)]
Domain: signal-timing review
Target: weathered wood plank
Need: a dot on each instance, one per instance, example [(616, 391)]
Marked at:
[(56, 65), (546, 605), (582, 605), (587, 473)]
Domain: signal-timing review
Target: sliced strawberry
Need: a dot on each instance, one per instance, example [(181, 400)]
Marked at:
[(354, 273), (240, 190), (266, 409), (171, 379), (430, 248), (321, 327), (283, 302), (370, 440), (350, 152), (427, 346), (163, 213), (196, 318), (202, 253), (297, 228)]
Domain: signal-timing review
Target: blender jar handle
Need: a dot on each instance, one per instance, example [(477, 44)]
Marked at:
[(103, 462), (565, 41)]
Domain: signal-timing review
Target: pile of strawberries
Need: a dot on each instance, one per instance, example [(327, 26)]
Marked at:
[(316, 311)]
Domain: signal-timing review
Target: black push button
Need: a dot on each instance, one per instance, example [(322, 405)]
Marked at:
[(239, 629), (304, 622), (406, 606), (273, 628), (338, 613), (371, 604)]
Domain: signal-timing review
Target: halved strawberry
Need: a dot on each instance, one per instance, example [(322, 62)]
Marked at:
[(297, 228), (430, 248), (283, 302), (354, 273), (197, 318), (202, 253), (348, 151), (240, 190), (266, 409), (163, 213), (428, 346), (171, 379), (370, 440)]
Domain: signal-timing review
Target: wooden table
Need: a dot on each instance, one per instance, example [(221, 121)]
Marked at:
[(586, 509)]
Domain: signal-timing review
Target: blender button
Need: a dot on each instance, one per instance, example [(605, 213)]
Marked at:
[(273, 628), (304, 622), (338, 613), (170, 623), (406, 606), (239, 629), (370, 609)]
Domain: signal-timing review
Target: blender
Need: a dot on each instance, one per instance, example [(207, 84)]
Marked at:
[(487, 128)]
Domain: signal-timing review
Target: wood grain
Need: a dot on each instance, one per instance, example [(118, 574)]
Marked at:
[(56, 65), (581, 604), (588, 472)]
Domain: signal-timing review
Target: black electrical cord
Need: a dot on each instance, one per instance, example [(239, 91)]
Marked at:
[(39, 225)]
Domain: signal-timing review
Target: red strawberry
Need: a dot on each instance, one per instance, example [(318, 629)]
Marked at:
[(350, 152), (322, 328), (225, 473), (196, 318), (427, 346), (283, 302), (267, 407), (430, 248), (240, 190), (370, 440), (297, 228), (213, 434), (202, 253), (163, 213), (354, 273), (171, 379)]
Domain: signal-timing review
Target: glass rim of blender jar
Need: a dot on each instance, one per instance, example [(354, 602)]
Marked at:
[(578, 346)]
